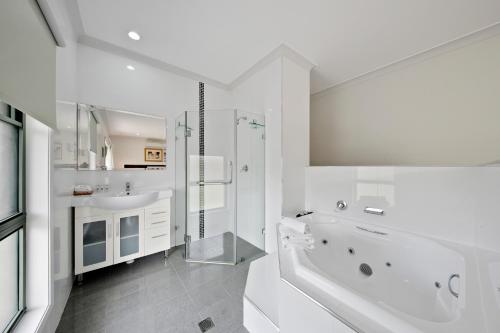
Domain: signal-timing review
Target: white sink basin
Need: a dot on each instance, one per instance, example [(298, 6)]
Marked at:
[(123, 200)]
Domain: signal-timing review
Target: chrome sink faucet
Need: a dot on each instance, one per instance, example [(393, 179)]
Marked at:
[(127, 187)]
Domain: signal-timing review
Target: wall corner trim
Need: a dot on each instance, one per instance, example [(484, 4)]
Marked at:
[(281, 51), (50, 20)]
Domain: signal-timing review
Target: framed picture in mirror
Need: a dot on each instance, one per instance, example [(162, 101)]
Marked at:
[(153, 154)]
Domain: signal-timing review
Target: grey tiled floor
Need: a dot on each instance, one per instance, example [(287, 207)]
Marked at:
[(221, 248), (154, 295)]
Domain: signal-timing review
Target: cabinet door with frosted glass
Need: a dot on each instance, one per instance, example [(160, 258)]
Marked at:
[(128, 235), (93, 243)]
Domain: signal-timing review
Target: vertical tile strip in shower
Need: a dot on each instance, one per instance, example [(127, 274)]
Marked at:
[(201, 87)]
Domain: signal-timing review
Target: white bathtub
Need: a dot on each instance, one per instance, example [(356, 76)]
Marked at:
[(381, 280)]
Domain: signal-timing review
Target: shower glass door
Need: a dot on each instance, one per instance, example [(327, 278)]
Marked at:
[(250, 187), (180, 178), (210, 184)]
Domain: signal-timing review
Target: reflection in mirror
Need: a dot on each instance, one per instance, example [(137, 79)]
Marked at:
[(64, 137), (111, 139)]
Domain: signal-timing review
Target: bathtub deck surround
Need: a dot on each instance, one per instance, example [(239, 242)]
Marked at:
[(261, 296)]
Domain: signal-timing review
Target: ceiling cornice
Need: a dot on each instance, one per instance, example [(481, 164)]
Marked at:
[(449, 46)]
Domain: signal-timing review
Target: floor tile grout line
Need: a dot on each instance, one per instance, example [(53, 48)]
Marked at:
[(180, 280), (184, 286)]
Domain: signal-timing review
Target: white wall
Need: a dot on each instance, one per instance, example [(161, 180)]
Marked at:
[(295, 128), (280, 91), (439, 111), (457, 204), (261, 93)]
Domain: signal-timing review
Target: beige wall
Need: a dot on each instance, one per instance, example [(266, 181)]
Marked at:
[(444, 110), (130, 150)]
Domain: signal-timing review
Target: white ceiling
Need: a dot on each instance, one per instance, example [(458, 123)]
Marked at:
[(221, 39), (133, 125)]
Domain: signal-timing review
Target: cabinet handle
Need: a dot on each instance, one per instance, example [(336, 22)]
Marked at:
[(118, 229), (158, 236), (156, 213), (110, 233), (159, 222)]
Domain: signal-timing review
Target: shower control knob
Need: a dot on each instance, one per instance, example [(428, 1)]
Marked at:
[(341, 205)]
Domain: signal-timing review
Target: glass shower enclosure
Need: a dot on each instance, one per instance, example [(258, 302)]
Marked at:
[(220, 185)]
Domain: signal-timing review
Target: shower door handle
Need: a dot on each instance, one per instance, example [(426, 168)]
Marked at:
[(223, 182), (226, 182)]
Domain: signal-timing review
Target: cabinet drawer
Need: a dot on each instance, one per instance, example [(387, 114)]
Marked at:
[(157, 239), (158, 215), (156, 219)]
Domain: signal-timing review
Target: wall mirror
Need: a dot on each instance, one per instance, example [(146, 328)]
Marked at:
[(114, 140)]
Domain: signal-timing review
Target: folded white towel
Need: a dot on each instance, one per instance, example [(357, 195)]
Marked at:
[(296, 225), (308, 238), (301, 245)]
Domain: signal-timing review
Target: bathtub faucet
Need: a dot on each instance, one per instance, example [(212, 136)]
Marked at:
[(376, 211)]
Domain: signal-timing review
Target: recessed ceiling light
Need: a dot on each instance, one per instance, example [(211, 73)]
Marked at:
[(130, 67), (137, 134), (134, 35)]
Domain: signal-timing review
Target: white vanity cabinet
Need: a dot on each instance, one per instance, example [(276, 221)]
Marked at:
[(107, 237), (157, 232)]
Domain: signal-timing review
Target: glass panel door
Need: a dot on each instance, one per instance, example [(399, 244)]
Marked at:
[(210, 186), (129, 235), (129, 242), (94, 242)]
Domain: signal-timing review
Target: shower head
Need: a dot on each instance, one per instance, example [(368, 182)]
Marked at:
[(240, 118), (254, 124)]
